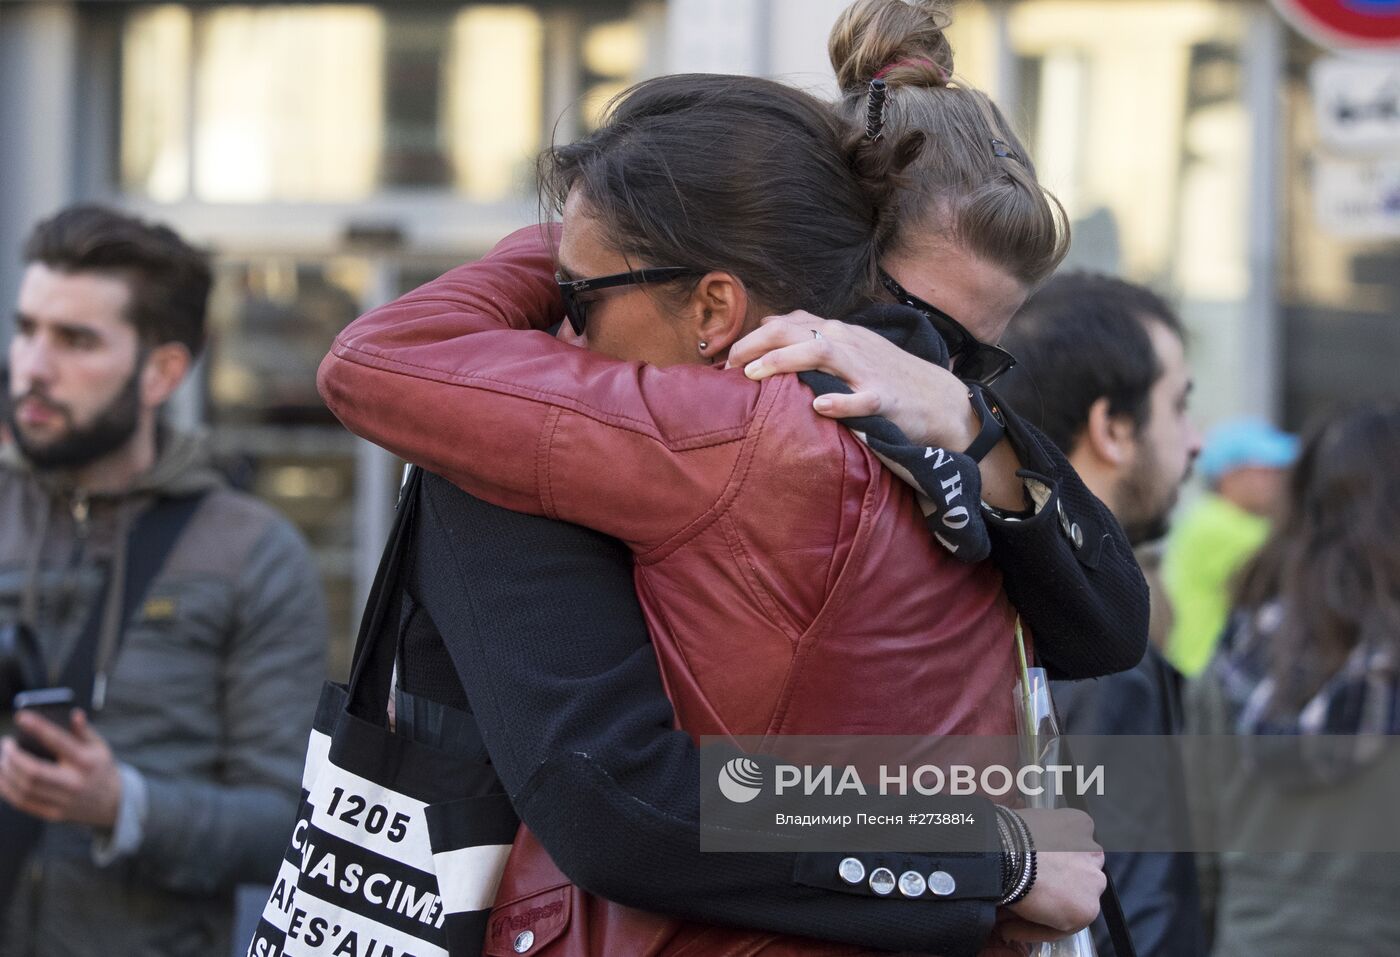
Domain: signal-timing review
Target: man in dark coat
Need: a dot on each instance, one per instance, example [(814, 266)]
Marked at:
[(1102, 371)]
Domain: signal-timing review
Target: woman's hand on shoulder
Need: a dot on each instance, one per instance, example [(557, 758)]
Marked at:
[(926, 401)]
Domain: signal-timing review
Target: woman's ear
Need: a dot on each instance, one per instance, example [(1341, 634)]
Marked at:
[(721, 309), (1111, 438)]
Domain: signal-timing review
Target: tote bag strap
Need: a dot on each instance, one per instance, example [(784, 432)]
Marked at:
[(1117, 922), (372, 666)]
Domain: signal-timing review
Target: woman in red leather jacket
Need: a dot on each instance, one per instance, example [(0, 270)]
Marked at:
[(760, 532)]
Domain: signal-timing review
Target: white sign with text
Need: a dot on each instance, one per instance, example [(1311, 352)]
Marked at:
[(1357, 104), (1358, 198)]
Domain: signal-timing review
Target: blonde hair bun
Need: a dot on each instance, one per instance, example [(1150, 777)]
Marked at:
[(903, 41), (958, 170)]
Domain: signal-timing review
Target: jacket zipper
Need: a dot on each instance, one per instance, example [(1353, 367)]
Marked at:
[(80, 508)]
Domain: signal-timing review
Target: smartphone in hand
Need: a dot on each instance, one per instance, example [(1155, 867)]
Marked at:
[(53, 704)]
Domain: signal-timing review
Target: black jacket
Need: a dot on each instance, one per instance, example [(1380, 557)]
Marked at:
[(1069, 570), (534, 626), (1159, 892)]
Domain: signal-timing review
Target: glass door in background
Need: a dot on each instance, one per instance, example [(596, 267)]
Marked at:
[(272, 319)]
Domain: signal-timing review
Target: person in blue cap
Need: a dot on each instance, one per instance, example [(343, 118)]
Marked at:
[(1243, 462)]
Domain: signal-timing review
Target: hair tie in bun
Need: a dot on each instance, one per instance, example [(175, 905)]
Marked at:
[(875, 109), (888, 68)]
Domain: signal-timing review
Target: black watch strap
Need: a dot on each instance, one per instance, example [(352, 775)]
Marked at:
[(993, 427)]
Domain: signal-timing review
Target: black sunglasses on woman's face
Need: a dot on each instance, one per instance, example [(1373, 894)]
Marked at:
[(971, 359), (577, 309)]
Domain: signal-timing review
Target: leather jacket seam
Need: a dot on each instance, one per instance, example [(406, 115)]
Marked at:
[(544, 458), (831, 576), (835, 601), (555, 400), (761, 593), (743, 462)]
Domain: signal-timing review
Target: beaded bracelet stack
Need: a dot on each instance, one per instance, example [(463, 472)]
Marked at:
[(1017, 856)]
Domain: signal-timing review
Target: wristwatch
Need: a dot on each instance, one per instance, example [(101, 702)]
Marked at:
[(993, 425)]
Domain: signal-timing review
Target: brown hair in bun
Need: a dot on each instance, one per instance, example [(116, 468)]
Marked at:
[(972, 180)]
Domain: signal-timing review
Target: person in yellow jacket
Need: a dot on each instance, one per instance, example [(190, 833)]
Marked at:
[(1244, 462)]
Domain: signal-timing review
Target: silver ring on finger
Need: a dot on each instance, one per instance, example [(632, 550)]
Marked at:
[(816, 334)]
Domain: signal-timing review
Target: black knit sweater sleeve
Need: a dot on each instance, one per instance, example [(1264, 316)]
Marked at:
[(541, 621), (1069, 570)]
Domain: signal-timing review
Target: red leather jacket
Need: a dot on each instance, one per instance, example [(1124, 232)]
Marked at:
[(789, 581)]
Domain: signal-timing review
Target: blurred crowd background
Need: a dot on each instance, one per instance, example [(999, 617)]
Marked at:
[(334, 155)]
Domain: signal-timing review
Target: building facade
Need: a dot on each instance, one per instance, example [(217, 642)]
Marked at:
[(334, 155)]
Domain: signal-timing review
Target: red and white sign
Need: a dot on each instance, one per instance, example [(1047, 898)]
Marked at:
[(1346, 24)]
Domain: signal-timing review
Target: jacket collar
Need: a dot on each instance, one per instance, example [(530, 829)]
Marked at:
[(182, 467)]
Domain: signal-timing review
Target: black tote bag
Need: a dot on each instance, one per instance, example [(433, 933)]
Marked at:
[(396, 851)]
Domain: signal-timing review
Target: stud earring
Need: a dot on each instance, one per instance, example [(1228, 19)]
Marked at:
[(703, 346)]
